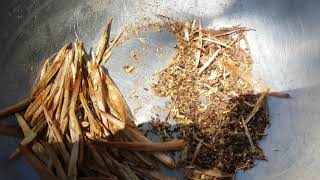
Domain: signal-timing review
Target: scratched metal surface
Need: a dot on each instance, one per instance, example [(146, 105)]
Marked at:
[(285, 47)]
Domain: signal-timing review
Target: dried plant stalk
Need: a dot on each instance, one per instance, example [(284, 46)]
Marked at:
[(104, 42), (29, 135), (23, 125), (63, 84), (153, 175), (96, 178), (217, 42), (16, 107), (44, 69), (196, 152), (57, 136), (37, 102), (72, 168), (10, 130), (186, 32), (39, 151), (214, 173), (97, 156), (99, 92), (279, 95), (256, 108), (142, 146), (93, 98), (116, 123), (115, 99), (60, 172), (123, 171), (95, 128), (75, 131), (65, 105), (108, 53), (52, 71), (134, 135), (41, 168), (245, 76), (212, 58), (248, 134), (199, 45), (106, 57)]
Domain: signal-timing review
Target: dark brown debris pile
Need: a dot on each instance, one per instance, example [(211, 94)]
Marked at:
[(213, 101)]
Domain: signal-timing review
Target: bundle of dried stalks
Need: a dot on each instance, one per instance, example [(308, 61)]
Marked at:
[(76, 124)]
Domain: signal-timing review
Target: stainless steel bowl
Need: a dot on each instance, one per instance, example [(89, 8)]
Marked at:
[(285, 47)]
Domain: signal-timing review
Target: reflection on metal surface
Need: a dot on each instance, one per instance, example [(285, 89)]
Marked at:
[(284, 46)]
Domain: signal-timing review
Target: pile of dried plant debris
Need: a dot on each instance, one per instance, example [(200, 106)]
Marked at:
[(76, 124), (220, 108)]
